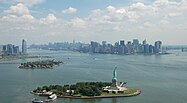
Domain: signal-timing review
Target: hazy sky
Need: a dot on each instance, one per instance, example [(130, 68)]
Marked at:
[(43, 21)]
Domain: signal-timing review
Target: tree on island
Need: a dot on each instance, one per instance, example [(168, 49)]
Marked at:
[(82, 88)]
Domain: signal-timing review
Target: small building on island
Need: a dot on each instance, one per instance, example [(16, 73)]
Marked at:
[(115, 88)]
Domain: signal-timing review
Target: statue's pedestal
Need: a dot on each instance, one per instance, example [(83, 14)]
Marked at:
[(117, 89)]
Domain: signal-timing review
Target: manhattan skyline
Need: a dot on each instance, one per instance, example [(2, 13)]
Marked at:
[(43, 21)]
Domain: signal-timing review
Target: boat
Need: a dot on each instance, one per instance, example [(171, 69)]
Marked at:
[(51, 98), (35, 100)]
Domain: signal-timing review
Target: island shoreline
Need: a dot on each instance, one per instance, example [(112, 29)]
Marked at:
[(138, 92)]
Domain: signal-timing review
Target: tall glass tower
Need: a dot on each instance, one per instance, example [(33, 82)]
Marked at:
[(24, 47)]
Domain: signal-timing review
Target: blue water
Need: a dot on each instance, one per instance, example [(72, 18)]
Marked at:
[(162, 79)]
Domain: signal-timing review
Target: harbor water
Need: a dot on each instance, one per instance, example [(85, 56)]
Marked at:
[(161, 78)]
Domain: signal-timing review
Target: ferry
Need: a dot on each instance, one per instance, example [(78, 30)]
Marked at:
[(51, 98), (34, 100)]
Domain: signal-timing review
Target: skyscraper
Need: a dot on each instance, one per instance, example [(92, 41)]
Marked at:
[(144, 42), (135, 45), (158, 47), (122, 47), (135, 42), (24, 47), (4, 48), (122, 43), (16, 50), (146, 48), (9, 49)]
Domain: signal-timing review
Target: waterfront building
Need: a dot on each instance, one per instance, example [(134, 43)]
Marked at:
[(158, 47), (122, 43), (115, 88), (84, 48), (140, 48), (151, 49), (121, 47), (12, 50), (144, 42), (104, 43), (116, 48), (146, 48), (129, 48), (95, 47), (121, 50), (129, 42), (135, 42), (135, 45), (104, 47), (16, 49), (4, 47), (9, 49), (1, 55), (24, 47), (92, 47)]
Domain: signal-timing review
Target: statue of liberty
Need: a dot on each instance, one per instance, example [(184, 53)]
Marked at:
[(115, 74), (114, 79)]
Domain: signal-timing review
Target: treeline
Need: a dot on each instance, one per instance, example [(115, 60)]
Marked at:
[(80, 88)]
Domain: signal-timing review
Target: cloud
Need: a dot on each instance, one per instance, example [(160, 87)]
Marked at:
[(122, 13), (29, 2), (14, 18), (182, 6), (19, 12), (96, 12), (49, 19), (111, 9), (161, 2), (10, 17), (138, 6), (70, 10), (173, 14), (164, 22), (78, 22), (19, 9), (147, 24)]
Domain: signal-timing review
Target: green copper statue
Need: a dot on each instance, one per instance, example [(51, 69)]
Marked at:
[(114, 74)]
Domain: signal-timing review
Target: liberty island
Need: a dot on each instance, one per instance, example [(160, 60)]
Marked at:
[(89, 90)]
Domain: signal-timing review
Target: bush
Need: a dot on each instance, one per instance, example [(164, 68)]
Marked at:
[(87, 91)]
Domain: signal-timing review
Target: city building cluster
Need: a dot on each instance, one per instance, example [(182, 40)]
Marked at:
[(120, 47), (12, 50)]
